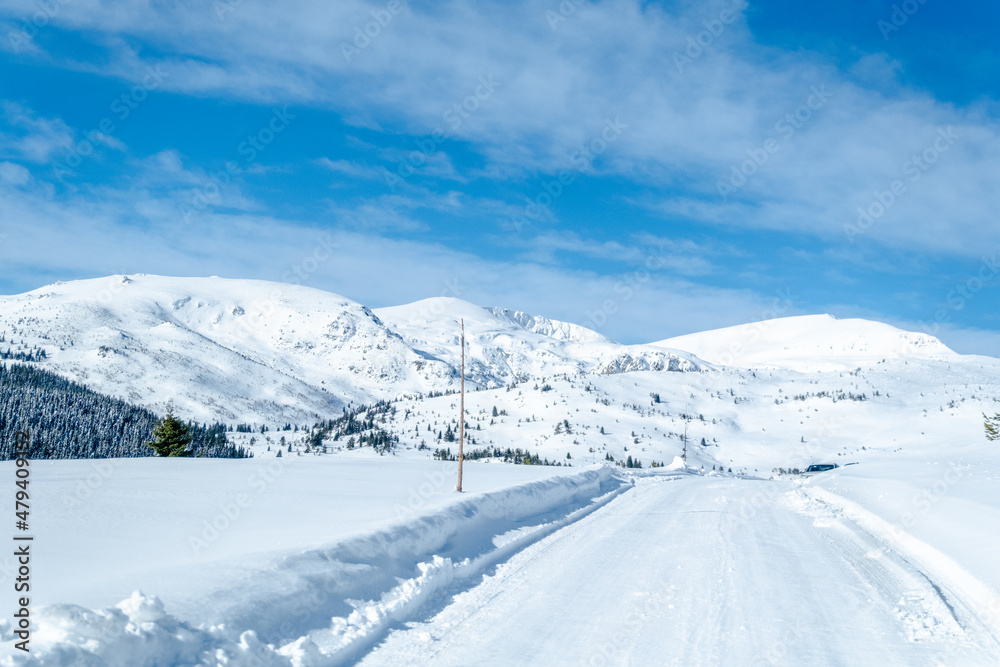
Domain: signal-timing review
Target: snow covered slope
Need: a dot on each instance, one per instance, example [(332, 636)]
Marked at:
[(255, 351), (565, 331), (809, 343), (750, 421), (506, 346), (233, 350), (331, 551)]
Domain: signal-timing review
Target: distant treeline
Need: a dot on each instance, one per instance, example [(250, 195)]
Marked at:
[(362, 426), (34, 354), (69, 421), (518, 456)]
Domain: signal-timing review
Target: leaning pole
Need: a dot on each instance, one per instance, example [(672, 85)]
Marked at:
[(461, 415)]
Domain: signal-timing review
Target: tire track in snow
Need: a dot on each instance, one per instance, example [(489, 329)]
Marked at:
[(939, 591), (350, 638), (782, 587)]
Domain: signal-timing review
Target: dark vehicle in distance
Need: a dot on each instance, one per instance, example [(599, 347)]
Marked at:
[(817, 468)]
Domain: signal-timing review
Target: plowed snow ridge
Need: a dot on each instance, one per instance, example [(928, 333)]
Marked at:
[(363, 584)]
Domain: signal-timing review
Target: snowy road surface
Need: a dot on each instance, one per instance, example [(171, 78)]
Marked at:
[(701, 571)]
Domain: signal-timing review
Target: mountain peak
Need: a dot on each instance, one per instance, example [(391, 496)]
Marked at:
[(245, 350), (808, 343), (564, 331)]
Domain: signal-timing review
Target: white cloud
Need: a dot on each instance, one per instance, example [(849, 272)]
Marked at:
[(32, 137), (553, 93), (347, 168), (110, 141), (688, 124), (14, 173), (93, 234)]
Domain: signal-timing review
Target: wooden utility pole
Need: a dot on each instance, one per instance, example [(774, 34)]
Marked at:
[(461, 415)]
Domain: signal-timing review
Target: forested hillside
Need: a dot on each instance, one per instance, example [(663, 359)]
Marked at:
[(68, 420)]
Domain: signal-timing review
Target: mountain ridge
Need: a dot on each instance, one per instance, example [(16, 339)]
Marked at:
[(808, 343), (249, 350)]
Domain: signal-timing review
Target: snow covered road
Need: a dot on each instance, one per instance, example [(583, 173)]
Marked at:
[(686, 570)]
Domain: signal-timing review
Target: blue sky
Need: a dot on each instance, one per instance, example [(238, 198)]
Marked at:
[(644, 169)]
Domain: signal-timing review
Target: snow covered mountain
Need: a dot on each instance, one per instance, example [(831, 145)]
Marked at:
[(232, 350), (809, 343), (564, 331), (247, 350), (896, 539), (255, 351), (508, 346)]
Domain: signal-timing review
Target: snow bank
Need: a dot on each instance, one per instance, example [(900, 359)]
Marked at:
[(138, 633), (319, 606), (980, 599)]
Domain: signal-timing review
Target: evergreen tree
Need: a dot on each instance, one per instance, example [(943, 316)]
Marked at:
[(315, 440), (992, 427), (171, 437)]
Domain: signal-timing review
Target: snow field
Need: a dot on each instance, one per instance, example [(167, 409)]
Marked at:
[(678, 572), (752, 421), (318, 559), (965, 594), (258, 600)]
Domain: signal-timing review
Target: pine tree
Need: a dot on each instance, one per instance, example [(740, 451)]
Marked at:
[(992, 427), (171, 437)]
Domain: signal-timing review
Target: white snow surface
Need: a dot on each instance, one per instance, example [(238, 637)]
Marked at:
[(256, 351), (230, 350), (808, 343), (266, 550), (362, 560), (348, 557), (708, 571), (506, 346)]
